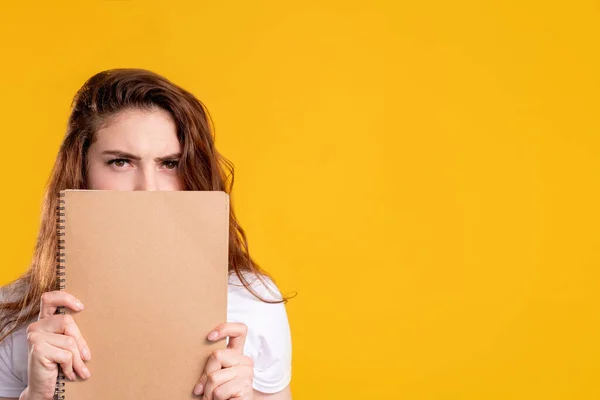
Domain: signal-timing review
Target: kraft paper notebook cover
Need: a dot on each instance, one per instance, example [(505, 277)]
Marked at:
[(151, 271)]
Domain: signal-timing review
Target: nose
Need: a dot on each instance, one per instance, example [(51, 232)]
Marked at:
[(147, 180)]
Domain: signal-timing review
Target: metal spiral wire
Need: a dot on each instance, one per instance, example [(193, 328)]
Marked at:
[(59, 389)]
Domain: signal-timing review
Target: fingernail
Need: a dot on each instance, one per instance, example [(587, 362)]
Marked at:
[(86, 373), (86, 354), (213, 335), (79, 305), (198, 389), (73, 376)]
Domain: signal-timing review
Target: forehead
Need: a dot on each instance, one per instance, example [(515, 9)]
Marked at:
[(139, 131)]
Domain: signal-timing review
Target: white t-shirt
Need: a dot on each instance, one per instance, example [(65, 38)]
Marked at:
[(268, 342)]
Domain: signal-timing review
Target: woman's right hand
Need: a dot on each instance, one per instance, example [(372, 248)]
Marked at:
[(55, 339)]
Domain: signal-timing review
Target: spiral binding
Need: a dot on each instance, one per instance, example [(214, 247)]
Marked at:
[(59, 389)]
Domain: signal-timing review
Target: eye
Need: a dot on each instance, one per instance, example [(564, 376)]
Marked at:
[(118, 162), (170, 164)]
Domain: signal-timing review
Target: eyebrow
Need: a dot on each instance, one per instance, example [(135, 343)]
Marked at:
[(123, 154)]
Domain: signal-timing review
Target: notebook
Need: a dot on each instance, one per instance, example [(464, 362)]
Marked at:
[(151, 271)]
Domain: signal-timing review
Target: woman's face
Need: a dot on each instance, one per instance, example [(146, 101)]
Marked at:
[(136, 150)]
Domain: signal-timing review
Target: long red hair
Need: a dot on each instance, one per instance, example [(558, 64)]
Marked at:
[(201, 167)]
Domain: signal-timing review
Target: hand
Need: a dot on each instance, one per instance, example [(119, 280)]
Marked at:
[(228, 373), (55, 339)]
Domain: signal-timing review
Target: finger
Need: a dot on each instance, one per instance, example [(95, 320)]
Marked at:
[(52, 300), (217, 378), (232, 390), (236, 331), (62, 324), (45, 353), (222, 358), (67, 343)]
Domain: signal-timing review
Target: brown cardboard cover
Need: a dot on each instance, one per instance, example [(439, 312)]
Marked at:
[(151, 271)]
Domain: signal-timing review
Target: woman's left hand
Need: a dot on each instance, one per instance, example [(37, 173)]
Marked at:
[(228, 373)]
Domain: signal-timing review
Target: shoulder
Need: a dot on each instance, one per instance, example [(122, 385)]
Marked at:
[(244, 306), (13, 291), (13, 364), (262, 284), (13, 348), (268, 342)]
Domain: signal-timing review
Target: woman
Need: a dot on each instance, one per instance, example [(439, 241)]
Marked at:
[(132, 129)]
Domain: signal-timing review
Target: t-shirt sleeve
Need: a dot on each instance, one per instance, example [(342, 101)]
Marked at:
[(10, 384), (273, 365), (269, 341)]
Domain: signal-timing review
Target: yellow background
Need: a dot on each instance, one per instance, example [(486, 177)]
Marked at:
[(424, 174)]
